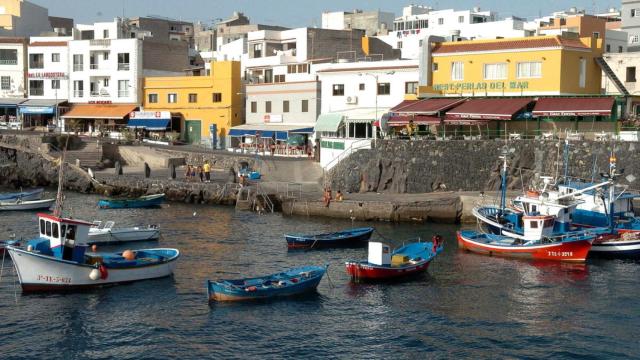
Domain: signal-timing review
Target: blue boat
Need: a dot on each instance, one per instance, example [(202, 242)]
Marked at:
[(35, 194), (346, 238), (141, 202), (288, 283)]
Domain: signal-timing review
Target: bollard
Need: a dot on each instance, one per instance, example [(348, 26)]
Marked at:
[(147, 170), (172, 171), (118, 167)]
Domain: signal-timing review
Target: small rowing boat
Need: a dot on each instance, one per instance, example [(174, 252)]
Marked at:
[(404, 262), (344, 238), (141, 202), (21, 205), (288, 283), (105, 233)]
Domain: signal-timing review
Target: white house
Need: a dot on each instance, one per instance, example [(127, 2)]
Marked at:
[(13, 67)]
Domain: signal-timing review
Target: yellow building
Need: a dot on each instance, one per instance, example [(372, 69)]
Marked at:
[(200, 101), (541, 65)]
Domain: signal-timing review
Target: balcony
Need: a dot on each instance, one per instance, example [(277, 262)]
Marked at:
[(9, 62), (100, 42), (78, 93), (93, 66), (123, 67), (101, 93), (123, 93), (78, 67), (36, 92), (36, 65)]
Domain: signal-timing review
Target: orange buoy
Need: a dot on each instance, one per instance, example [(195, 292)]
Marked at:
[(128, 255), (94, 247)]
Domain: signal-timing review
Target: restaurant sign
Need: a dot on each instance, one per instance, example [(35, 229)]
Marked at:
[(482, 86), (47, 75), (150, 115)]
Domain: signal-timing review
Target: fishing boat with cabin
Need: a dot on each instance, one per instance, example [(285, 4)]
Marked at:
[(383, 264), (287, 283)]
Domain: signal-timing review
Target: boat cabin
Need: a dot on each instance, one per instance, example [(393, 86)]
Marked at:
[(379, 254), (61, 237), (545, 204), (537, 227)]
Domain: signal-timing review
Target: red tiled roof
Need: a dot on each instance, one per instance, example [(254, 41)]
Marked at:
[(508, 44), (49, 43), (574, 106), (426, 106), (488, 109)]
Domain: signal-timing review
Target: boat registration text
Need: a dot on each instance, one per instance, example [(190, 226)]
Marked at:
[(54, 279), (560, 253)]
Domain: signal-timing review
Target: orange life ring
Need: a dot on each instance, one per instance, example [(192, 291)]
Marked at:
[(104, 274)]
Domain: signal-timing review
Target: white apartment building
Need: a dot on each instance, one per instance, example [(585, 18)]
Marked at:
[(13, 67), (355, 96), (48, 68), (418, 22)]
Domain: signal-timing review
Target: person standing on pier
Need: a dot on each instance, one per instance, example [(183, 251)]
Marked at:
[(207, 171), (200, 173), (187, 175)]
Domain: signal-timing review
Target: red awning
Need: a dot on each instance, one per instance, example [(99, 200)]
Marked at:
[(488, 109), (403, 120), (426, 106), (574, 106)]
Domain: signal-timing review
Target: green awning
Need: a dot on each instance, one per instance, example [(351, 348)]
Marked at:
[(328, 122)]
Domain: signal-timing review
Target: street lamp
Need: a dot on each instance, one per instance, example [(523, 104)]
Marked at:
[(375, 76)]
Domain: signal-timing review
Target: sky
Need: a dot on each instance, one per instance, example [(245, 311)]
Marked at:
[(292, 13)]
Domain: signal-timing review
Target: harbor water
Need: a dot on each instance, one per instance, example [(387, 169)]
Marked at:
[(467, 305)]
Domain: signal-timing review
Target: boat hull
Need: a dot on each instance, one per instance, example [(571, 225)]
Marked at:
[(151, 201), (218, 294), (44, 273), (27, 205), (361, 271), (116, 236), (345, 239), (623, 245), (25, 196), (575, 251)]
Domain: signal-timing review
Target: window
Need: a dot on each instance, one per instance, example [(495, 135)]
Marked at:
[(56, 234), (495, 71), (608, 48), (460, 19), (268, 76), (399, 46), (285, 106), (440, 21), (105, 56), (55, 57), (78, 88), (55, 84), (303, 68), (384, 88), (434, 66), (105, 34), (305, 105), (217, 97), (619, 49), (172, 98), (123, 88), (267, 106), (457, 70), (529, 70), (257, 50), (77, 62), (635, 12), (631, 74), (361, 87), (153, 98), (193, 98), (48, 227), (41, 226), (5, 82), (105, 82), (583, 73), (279, 78), (411, 87), (633, 39), (254, 107), (534, 224), (338, 90), (36, 61), (123, 61), (596, 35), (292, 69), (8, 57), (36, 87)]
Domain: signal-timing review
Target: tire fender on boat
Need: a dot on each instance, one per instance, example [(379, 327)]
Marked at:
[(104, 273)]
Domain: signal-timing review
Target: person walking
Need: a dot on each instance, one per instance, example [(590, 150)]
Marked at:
[(200, 173), (187, 174), (207, 171)]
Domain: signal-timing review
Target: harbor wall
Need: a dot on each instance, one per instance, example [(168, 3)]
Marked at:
[(401, 166)]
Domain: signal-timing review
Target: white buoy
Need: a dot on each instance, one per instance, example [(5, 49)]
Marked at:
[(94, 274), (195, 213), (30, 248)]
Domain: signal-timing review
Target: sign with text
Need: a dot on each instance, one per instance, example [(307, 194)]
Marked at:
[(47, 75), (272, 118), (482, 86), (150, 115)]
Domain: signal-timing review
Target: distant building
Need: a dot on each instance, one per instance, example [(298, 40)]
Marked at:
[(23, 19), (13, 71), (164, 29), (584, 25), (372, 22), (630, 14), (626, 67), (199, 102), (61, 26)]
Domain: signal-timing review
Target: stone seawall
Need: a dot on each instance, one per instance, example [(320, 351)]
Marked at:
[(400, 166)]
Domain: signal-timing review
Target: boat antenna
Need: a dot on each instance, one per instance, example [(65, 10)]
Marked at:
[(60, 196), (503, 184)]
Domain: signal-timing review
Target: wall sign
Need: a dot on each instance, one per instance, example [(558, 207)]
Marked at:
[(150, 115), (272, 118), (47, 75), (103, 102), (482, 86)]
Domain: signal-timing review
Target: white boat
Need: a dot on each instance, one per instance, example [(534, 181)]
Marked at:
[(104, 233), (34, 194), (58, 259), (26, 205)]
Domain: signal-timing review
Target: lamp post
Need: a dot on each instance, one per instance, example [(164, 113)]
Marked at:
[(375, 76)]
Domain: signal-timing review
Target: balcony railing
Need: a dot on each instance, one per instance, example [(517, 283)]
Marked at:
[(101, 93), (36, 65), (36, 92), (123, 66), (78, 93), (78, 67), (123, 93), (100, 42), (93, 66), (8, 62)]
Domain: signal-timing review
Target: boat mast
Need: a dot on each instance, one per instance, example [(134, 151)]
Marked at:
[(612, 177), (503, 186), (59, 196), (566, 160)]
